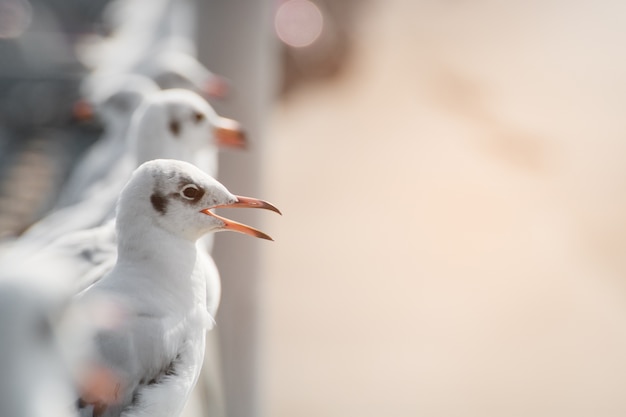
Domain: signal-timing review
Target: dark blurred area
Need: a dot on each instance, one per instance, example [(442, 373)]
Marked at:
[(40, 72), (40, 78)]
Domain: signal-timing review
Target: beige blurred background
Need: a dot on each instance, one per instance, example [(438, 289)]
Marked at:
[(454, 220)]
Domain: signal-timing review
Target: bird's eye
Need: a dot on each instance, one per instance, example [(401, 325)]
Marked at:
[(198, 117), (190, 192)]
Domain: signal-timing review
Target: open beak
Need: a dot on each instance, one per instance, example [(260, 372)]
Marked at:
[(229, 134), (245, 202)]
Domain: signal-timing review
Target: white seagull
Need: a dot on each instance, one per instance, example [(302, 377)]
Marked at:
[(156, 355), (114, 104)]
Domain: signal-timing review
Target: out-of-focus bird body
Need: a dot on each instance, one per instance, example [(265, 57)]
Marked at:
[(36, 379)]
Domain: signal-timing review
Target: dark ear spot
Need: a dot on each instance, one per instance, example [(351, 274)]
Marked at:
[(158, 202), (175, 127)]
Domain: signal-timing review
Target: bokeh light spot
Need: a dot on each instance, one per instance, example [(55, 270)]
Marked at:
[(298, 23)]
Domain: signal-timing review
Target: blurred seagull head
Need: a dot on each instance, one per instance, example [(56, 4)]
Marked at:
[(177, 124)]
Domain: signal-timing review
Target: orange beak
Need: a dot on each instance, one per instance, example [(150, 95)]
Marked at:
[(229, 134), (245, 202), (100, 386), (216, 87), (82, 111)]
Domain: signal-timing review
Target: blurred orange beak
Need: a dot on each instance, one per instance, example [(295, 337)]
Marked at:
[(100, 386), (216, 87), (245, 202), (82, 111), (229, 134)]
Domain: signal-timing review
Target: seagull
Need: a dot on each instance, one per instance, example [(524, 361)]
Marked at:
[(157, 353), (176, 124), (114, 106)]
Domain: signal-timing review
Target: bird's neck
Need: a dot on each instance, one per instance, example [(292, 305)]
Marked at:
[(117, 130), (206, 160), (156, 254)]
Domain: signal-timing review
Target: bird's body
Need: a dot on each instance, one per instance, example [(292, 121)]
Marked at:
[(91, 252), (161, 345)]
